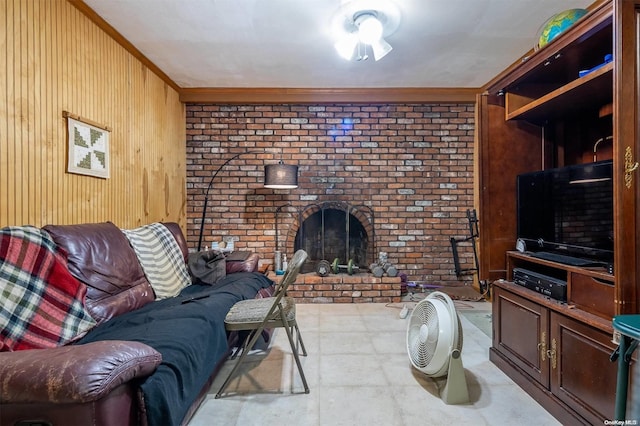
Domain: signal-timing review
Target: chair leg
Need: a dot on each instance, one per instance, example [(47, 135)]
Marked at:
[(299, 336), (288, 329), (249, 342)]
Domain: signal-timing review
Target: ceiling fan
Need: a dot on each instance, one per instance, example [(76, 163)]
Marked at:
[(360, 25)]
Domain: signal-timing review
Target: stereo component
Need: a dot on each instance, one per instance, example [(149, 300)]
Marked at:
[(540, 283)]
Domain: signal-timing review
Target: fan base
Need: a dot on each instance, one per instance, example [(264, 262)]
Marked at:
[(455, 391)]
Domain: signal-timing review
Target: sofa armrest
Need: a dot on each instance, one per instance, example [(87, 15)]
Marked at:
[(76, 373), (242, 263)]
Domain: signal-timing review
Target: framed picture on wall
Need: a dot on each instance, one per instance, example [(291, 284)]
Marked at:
[(88, 148)]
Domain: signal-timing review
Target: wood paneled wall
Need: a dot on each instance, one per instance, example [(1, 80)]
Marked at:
[(54, 59)]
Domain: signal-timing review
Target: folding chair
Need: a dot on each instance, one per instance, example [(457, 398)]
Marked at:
[(279, 311)]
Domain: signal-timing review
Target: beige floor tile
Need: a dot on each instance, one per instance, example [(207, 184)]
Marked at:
[(358, 405), (359, 373), (345, 343)]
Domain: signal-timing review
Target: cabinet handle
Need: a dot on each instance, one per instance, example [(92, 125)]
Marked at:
[(542, 346), (552, 354), (630, 166)]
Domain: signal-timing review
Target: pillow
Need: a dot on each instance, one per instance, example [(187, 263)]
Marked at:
[(41, 303), (161, 259)]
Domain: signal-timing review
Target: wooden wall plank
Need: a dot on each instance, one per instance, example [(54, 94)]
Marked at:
[(53, 59), (4, 119)]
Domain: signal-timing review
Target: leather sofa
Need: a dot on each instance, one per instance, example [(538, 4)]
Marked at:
[(98, 383)]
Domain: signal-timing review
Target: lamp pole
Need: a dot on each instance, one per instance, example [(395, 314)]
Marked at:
[(206, 195), (278, 210)]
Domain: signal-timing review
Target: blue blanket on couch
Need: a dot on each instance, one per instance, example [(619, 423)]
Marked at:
[(188, 330)]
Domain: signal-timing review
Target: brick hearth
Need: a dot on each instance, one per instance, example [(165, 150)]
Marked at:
[(344, 288)]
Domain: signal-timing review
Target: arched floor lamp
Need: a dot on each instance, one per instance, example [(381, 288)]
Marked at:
[(276, 176)]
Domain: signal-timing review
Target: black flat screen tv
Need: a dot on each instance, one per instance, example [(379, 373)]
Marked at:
[(568, 211)]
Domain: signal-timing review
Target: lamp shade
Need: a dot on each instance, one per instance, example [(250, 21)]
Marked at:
[(280, 176)]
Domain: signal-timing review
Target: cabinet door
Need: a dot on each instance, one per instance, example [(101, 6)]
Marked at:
[(504, 150), (626, 151), (520, 333), (582, 376)]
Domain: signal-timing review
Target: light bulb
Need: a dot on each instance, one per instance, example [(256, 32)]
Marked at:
[(369, 29)]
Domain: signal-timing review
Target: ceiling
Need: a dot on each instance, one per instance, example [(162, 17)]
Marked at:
[(289, 44)]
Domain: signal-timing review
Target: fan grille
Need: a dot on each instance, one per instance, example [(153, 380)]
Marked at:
[(423, 334), (433, 333), (446, 299)]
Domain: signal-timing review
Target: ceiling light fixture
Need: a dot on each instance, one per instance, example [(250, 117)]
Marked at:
[(362, 24)]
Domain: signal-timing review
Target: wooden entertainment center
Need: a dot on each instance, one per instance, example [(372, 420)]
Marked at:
[(540, 114)]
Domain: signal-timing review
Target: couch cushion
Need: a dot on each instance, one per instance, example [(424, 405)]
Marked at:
[(42, 303), (100, 256), (161, 259)]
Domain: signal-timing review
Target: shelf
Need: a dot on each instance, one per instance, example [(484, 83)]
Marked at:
[(594, 89), (582, 46), (598, 272), (590, 289)]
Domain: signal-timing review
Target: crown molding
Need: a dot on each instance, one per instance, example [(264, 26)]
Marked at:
[(268, 95)]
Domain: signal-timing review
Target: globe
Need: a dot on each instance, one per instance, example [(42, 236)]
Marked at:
[(558, 24)]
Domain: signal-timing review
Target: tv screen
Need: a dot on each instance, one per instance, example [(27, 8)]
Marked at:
[(568, 210)]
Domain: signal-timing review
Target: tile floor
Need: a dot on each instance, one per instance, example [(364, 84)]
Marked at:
[(359, 374)]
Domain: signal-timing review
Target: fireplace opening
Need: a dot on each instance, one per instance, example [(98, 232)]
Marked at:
[(340, 231)]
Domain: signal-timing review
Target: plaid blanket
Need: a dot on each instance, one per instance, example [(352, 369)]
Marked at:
[(41, 303), (161, 259)]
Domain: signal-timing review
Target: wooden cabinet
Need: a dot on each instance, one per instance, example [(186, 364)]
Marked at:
[(563, 362), (538, 114)]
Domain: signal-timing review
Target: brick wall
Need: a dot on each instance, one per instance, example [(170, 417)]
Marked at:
[(343, 288), (411, 163)]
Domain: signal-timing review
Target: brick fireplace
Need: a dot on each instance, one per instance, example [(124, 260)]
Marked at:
[(409, 164), (331, 230), (337, 230)]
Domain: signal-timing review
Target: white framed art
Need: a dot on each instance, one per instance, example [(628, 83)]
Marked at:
[(88, 148)]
